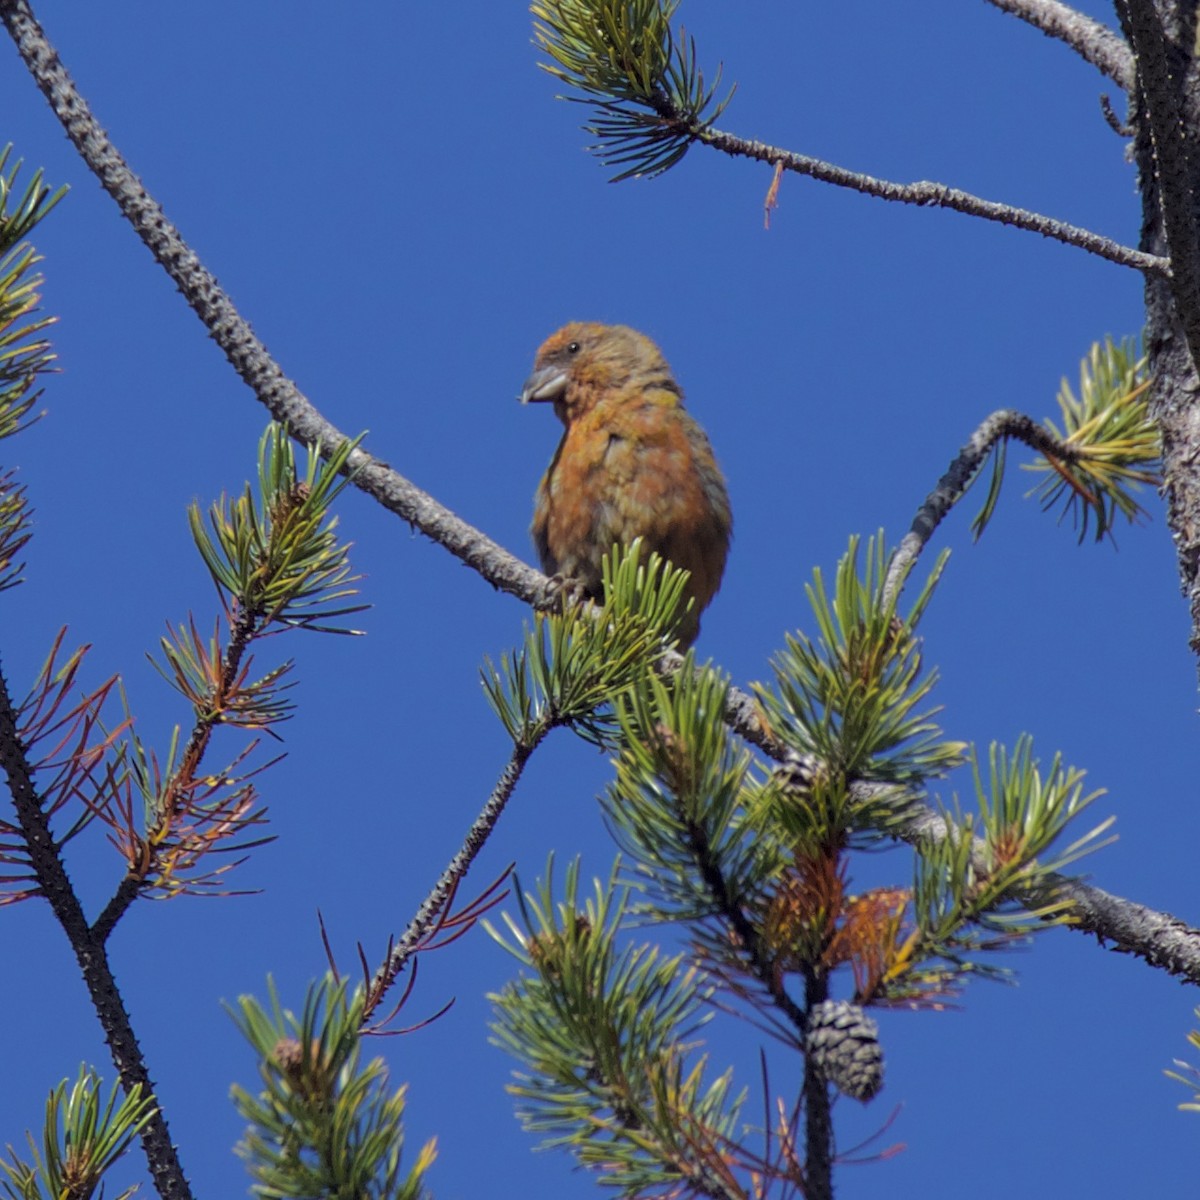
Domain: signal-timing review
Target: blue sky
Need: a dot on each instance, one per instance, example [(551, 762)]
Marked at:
[(394, 199)]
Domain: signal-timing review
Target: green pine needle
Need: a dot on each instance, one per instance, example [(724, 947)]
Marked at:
[(24, 356), (607, 1038), (325, 1123), (82, 1137), (574, 664), (1110, 427), (969, 902), (853, 695), (648, 95), (276, 554)]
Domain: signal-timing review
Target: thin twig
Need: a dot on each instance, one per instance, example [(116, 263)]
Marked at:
[(1119, 127), (953, 485), (731, 909), (244, 628), (425, 919), (1098, 44), (53, 883), (924, 194)]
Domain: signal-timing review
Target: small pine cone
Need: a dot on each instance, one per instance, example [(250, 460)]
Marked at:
[(288, 1055), (843, 1044)]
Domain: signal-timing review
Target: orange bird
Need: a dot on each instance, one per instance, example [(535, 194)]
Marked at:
[(632, 463)]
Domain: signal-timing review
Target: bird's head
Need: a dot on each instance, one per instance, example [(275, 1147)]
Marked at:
[(584, 362)]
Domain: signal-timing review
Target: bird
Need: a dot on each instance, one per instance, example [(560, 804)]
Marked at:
[(632, 463)]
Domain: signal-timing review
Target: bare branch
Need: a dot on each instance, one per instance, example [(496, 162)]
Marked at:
[(245, 352), (425, 921), (1104, 49), (926, 194), (959, 476)]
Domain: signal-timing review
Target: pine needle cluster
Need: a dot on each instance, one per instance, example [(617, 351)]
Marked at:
[(751, 863)]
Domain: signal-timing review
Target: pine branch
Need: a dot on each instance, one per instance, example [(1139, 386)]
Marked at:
[(1160, 939), (650, 103), (1156, 937), (145, 863), (55, 886), (954, 484), (325, 1123), (1109, 447), (1091, 40), (425, 921)]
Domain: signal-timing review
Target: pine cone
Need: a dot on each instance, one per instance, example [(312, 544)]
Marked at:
[(843, 1044)]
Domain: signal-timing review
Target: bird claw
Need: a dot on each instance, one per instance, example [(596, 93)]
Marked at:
[(563, 593)]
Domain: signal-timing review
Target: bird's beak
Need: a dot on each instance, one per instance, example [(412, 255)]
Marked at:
[(548, 383)]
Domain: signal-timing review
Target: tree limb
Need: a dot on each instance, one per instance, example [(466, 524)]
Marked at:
[(245, 352), (54, 884), (1091, 40), (1161, 81), (425, 919), (923, 194), (1171, 348), (953, 485)]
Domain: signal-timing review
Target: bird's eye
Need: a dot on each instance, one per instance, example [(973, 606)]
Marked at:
[(572, 347)]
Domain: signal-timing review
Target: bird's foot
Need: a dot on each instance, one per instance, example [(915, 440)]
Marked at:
[(563, 593)]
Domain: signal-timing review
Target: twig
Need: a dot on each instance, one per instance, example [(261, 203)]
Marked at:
[(427, 916), (248, 356), (923, 194), (729, 908), (1104, 49), (53, 883), (954, 484), (242, 633), (1119, 127)]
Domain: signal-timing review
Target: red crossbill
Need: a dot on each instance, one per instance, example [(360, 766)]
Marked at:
[(632, 463)]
